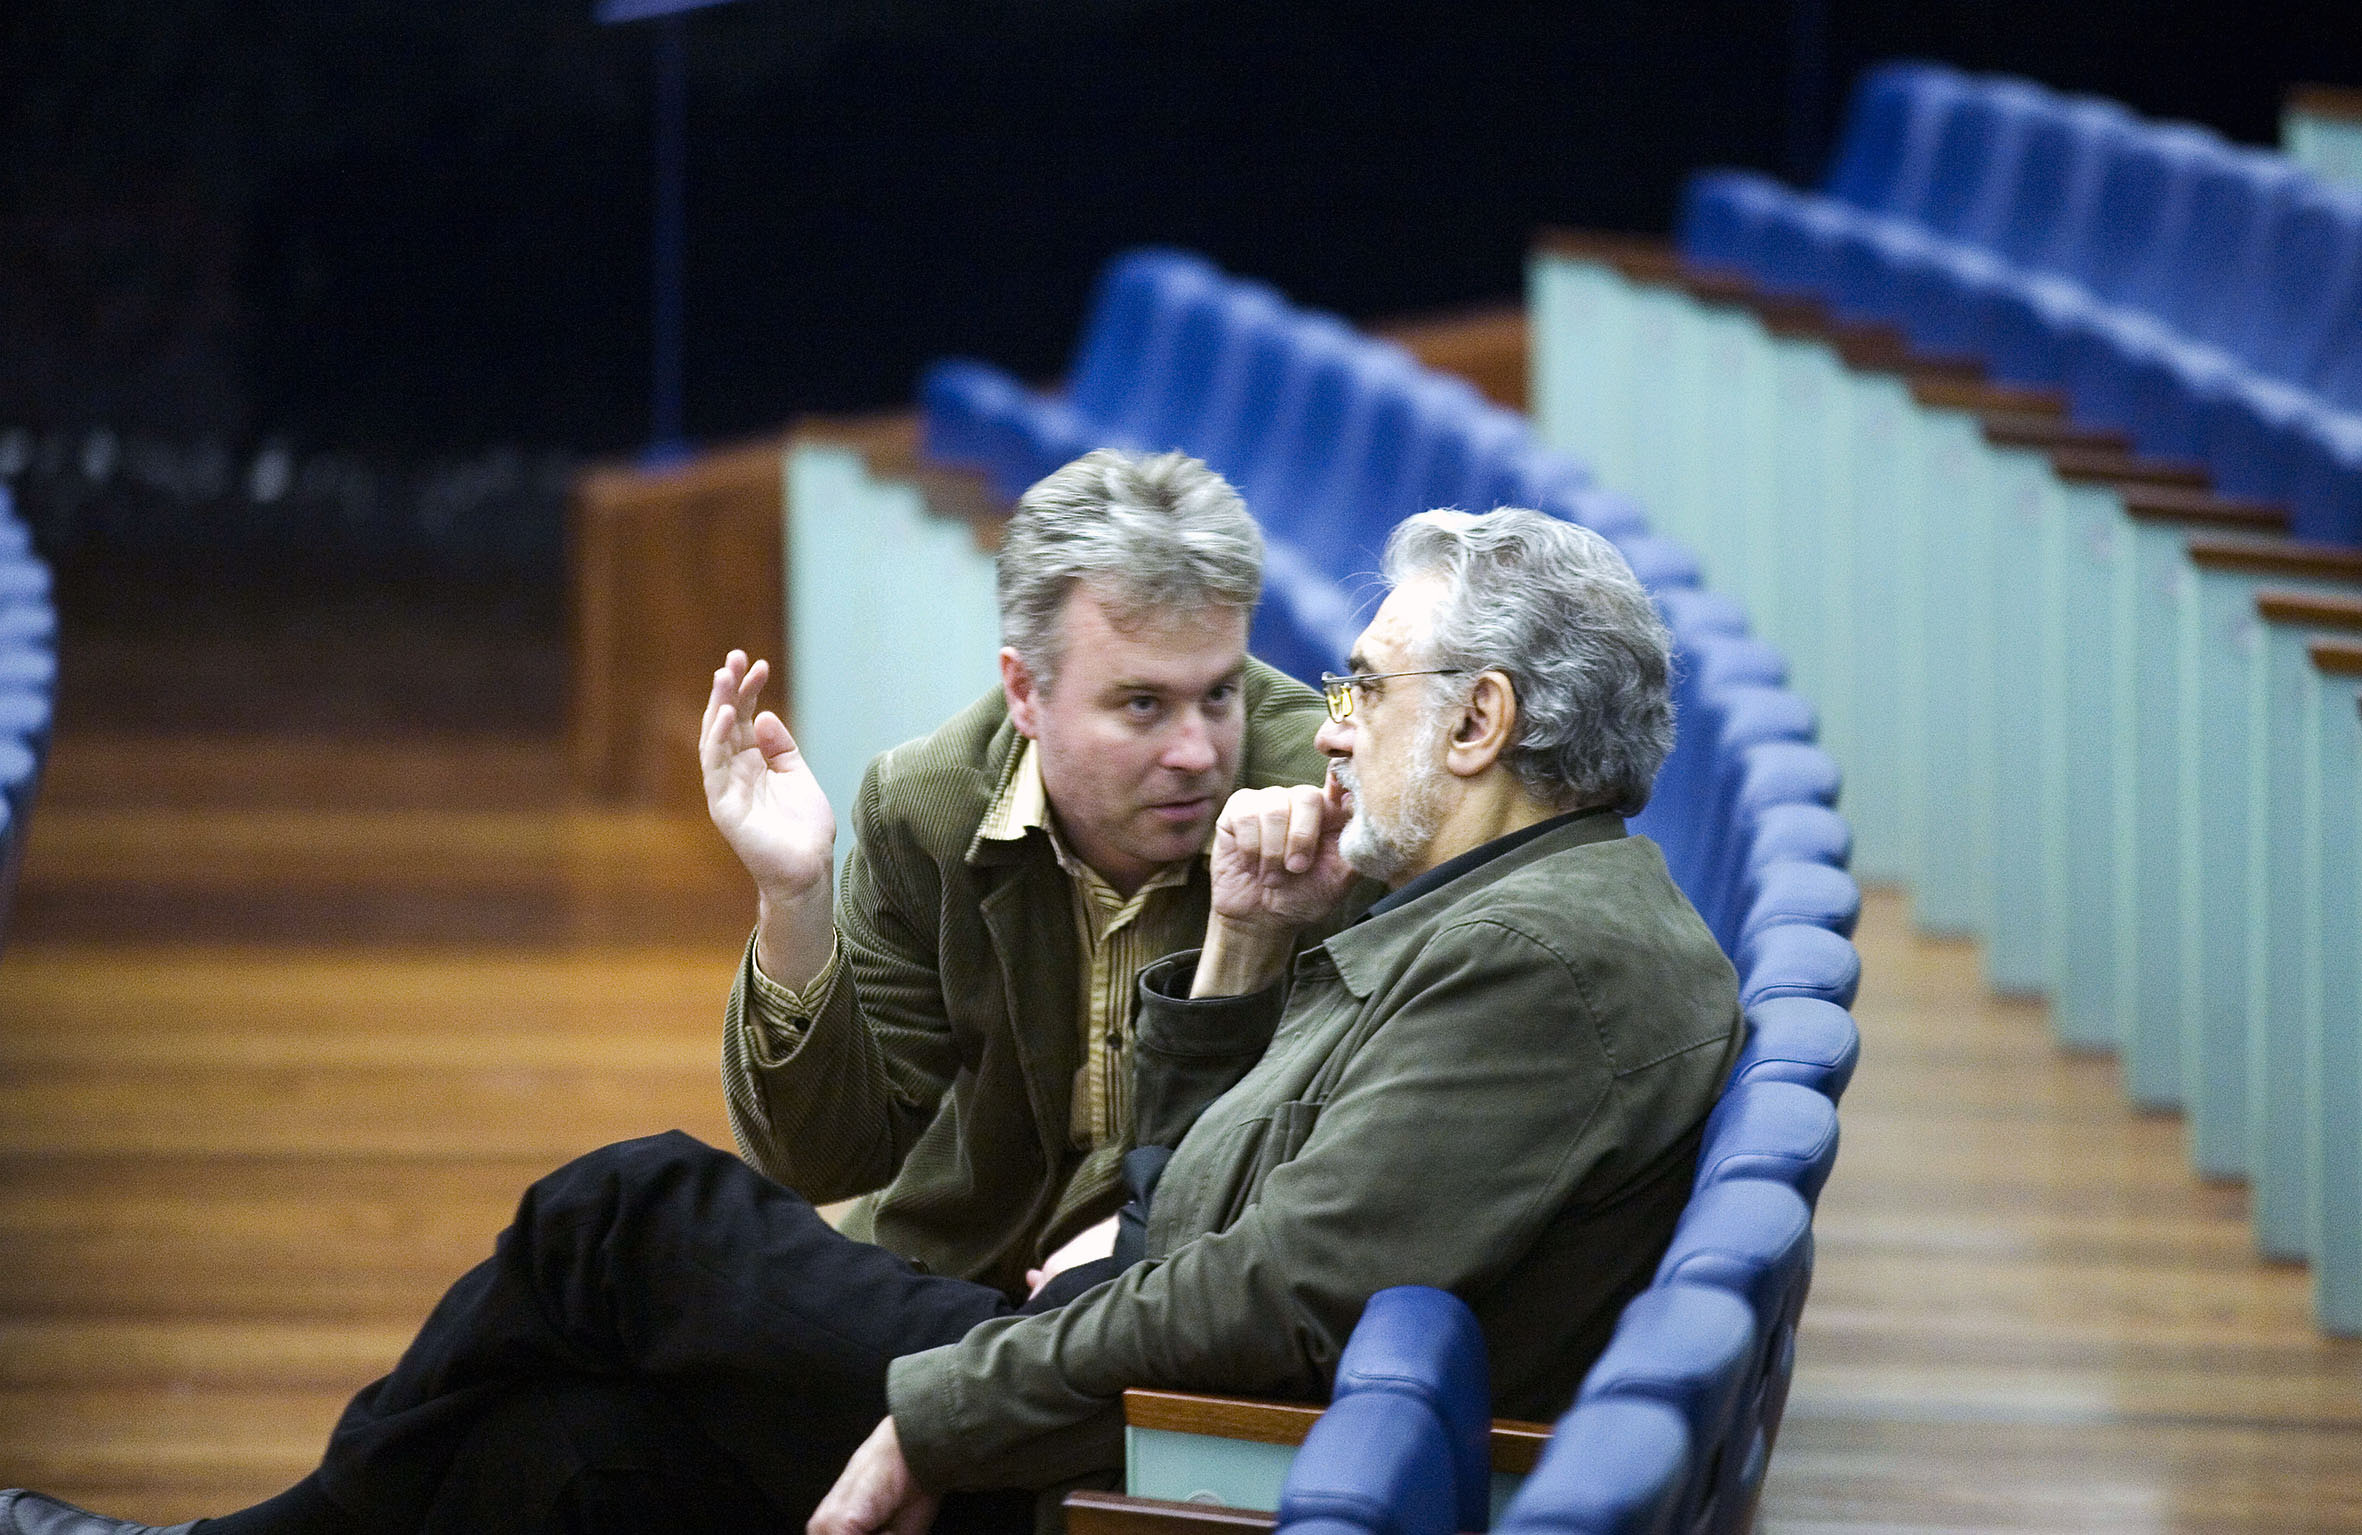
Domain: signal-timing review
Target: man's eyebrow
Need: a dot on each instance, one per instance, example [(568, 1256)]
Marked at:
[(1357, 662)]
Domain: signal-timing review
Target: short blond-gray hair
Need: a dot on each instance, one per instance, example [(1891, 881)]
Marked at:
[(1150, 532)]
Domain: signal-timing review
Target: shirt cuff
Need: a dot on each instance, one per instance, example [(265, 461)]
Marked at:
[(782, 1016)]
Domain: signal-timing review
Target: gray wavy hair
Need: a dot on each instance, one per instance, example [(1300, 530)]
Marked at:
[(1151, 533), (1554, 606)]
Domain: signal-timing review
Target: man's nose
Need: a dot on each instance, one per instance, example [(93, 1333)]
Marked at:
[(1334, 737), (1191, 746)]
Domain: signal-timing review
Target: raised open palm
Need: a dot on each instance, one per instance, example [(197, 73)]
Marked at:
[(759, 789)]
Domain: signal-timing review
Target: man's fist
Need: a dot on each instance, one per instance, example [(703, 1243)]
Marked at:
[(1275, 863)]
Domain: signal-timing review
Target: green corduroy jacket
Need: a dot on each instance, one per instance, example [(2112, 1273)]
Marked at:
[(938, 1077), (1494, 1088)]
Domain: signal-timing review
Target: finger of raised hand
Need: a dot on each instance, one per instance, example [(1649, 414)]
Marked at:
[(1273, 838), (750, 688), (1307, 822), (773, 740), (713, 741)]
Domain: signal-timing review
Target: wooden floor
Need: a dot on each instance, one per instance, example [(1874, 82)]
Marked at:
[(287, 1022)]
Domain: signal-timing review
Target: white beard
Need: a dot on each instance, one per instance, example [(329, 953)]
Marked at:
[(1384, 847)]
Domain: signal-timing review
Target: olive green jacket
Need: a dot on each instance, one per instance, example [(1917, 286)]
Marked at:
[(940, 1069), (1494, 1088)]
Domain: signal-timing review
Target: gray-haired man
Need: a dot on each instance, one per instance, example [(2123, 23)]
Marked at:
[(1492, 1082), (951, 1032)]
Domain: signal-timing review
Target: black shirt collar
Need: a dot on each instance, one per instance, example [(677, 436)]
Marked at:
[(1475, 858)]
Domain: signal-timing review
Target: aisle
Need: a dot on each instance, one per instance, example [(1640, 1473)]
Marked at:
[(281, 1039), (2028, 1314)]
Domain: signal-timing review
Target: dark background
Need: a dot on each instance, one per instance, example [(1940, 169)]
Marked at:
[(360, 281)]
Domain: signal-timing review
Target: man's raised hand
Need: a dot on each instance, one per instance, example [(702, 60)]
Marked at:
[(1275, 862), (770, 809)]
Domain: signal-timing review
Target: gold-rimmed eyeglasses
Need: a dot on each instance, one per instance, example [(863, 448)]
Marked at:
[(1339, 691)]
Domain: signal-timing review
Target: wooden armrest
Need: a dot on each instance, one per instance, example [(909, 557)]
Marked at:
[(2122, 471), (1643, 258), (2339, 658), (1116, 1513), (1516, 1445), (2340, 102), (2050, 433), (2317, 610), (2010, 406), (2177, 503), (2278, 557)]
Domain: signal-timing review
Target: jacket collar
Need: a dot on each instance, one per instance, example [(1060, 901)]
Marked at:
[(1366, 949)]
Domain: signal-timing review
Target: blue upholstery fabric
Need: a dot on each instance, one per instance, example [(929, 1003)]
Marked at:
[(1775, 1130), (1379, 1462), (1801, 1040), (1615, 1465), (1693, 1348), (1422, 1342), (1811, 893), (1796, 960), (1753, 1238)]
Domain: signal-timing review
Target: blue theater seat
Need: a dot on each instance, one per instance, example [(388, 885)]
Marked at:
[(1377, 1463), (1692, 1348), (1800, 833), (1421, 1342), (1132, 314), (1794, 959), (1770, 1129), (1615, 1465), (1753, 1238), (1800, 1040), (1811, 893), (1656, 561)]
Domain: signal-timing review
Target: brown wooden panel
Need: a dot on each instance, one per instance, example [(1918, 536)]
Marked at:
[(2339, 658), (2036, 429), (1115, 1513), (1516, 1445), (2314, 609), (1487, 347), (2124, 471), (2343, 102), (670, 569), (2178, 503), (2008, 405), (2278, 557), (1643, 258)]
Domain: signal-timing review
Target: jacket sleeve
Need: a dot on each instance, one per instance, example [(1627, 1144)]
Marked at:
[(830, 1104), (1477, 1106)]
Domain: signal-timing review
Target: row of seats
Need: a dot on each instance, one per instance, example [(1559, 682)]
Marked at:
[(1333, 438), (1674, 1425), (2076, 702), (2202, 297), (28, 684)]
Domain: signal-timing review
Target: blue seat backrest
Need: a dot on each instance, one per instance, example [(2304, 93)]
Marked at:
[(1802, 831), (1615, 1465), (1693, 1348), (1974, 171), (1801, 892), (2057, 178), (1325, 400), (2310, 294), (2144, 199), (1776, 1130), (1135, 296), (1793, 959), (1753, 1238), (1378, 1463), (2238, 207), (1801, 1040), (1235, 423), (1419, 1341), (1656, 561), (1884, 155)]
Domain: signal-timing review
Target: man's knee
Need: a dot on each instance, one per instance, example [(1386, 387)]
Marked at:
[(624, 1174)]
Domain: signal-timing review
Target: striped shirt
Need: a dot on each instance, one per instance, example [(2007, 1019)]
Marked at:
[(1117, 936)]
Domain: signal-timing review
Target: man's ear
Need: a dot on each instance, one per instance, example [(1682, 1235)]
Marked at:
[(1024, 696), (1485, 726)]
